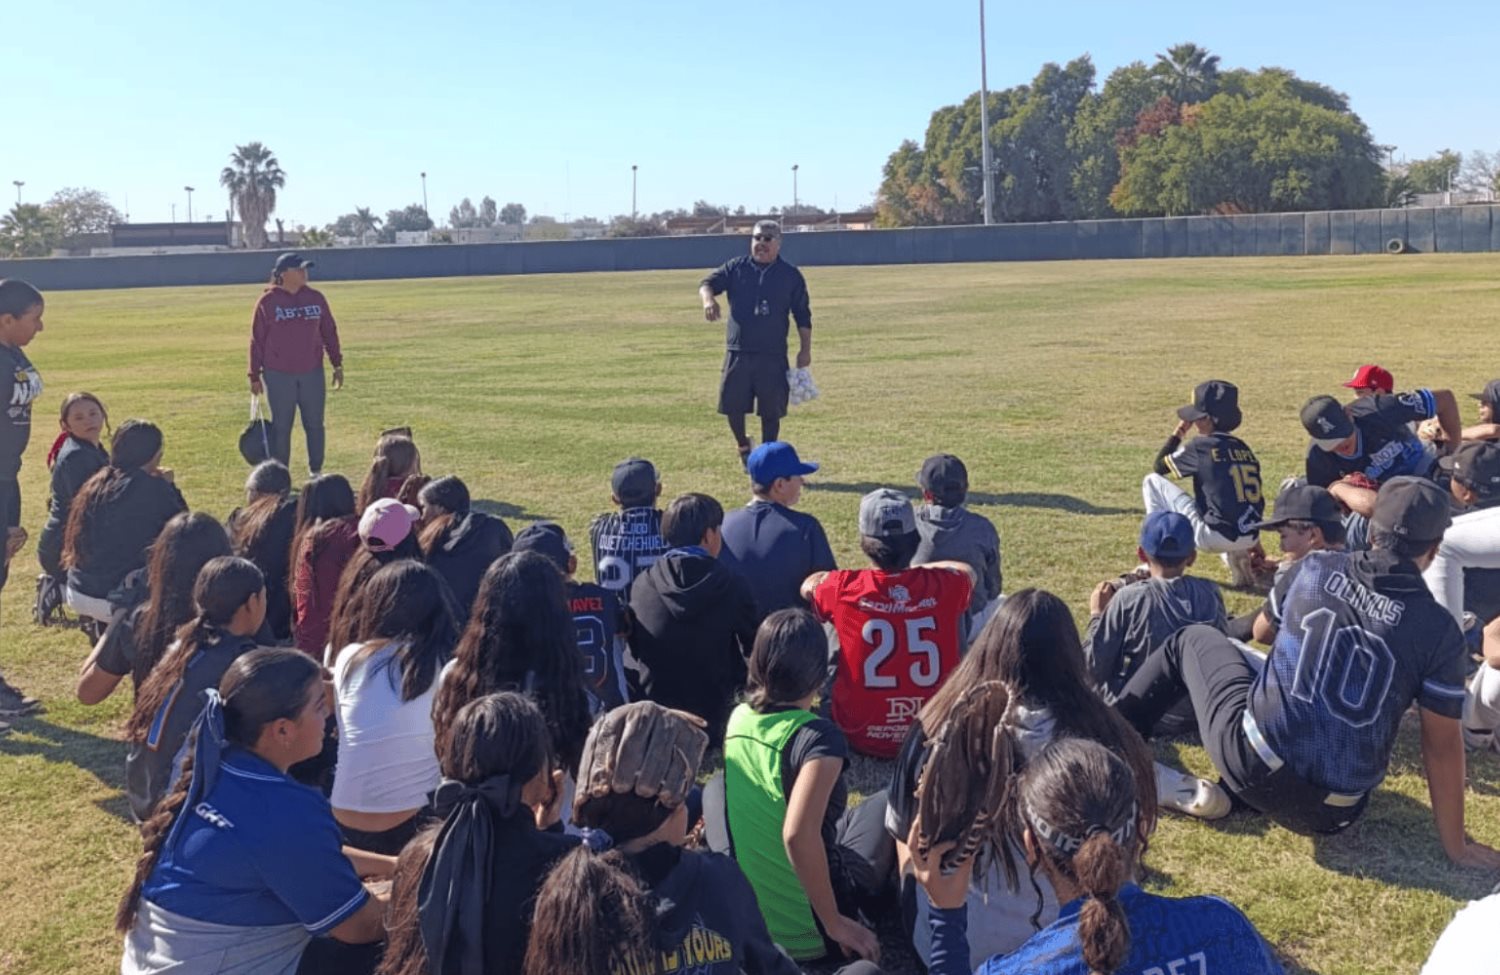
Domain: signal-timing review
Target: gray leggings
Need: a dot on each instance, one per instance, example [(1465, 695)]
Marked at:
[(290, 392)]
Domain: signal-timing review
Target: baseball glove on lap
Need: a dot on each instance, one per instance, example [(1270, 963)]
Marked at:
[(961, 792)]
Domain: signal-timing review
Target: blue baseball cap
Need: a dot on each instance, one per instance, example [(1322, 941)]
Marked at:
[(776, 459), (1167, 535)]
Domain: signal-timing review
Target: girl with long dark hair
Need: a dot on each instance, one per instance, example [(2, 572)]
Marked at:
[(134, 642), (114, 519), (242, 867), (325, 537), (1079, 803), (1031, 648), (781, 806), (76, 456), (457, 541), (229, 597), (385, 682), (649, 905), (262, 532), (521, 638), (499, 796)]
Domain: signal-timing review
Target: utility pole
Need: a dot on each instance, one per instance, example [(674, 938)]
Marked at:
[(984, 123), (425, 213), (633, 168), (795, 205)]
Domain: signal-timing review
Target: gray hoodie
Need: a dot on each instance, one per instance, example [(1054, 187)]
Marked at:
[(960, 535)]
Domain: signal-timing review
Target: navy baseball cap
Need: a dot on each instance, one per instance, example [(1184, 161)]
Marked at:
[(545, 538), (944, 477), (290, 261), (1324, 419), (776, 459), (1304, 502), (1412, 507), (1168, 536), (1476, 465), (1217, 400), (634, 482), (884, 513)]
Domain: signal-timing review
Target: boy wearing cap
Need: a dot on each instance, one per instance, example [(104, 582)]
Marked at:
[(771, 545), (693, 618), (1127, 624), (626, 542), (1227, 496), (1371, 380), (1473, 540), (1488, 427), (1356, 447), (1306, 738), (599, 620), (765, 295), (1308, 519), (951, 532), (291, 329), (898, 626)]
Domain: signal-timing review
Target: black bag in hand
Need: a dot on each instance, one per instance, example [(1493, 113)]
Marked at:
[(255, 442)]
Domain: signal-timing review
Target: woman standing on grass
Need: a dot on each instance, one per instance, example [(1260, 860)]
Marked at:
[(291, 330), (20, 320)]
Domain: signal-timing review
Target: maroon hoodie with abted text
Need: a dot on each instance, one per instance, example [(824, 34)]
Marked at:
[(290, 331)]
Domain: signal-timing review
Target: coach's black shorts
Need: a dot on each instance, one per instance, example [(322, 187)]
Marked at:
[(754, 382)]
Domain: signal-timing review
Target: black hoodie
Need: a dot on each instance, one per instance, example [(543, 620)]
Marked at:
[(707, 917), (464, 551), (695, 623)]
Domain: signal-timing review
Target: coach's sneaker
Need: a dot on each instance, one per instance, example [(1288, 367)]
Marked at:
[(14, 704), (1190, 795), (745, 449)]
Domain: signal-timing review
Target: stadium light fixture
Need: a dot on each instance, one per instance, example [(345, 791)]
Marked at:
[(18, 184), (984, 123), (190, 202)]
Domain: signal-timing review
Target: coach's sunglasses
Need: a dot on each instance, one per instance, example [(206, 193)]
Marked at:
[(765, 238)]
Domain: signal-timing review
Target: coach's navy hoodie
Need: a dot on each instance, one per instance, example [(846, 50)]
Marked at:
[(708, 920), (695, 621)]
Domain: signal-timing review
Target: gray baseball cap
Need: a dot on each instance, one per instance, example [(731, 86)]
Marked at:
[(885, 513)]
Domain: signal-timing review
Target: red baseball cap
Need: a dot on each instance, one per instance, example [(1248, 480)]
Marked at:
[(1372, 377)]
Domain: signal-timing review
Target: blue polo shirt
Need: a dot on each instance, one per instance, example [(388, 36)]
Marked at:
[(775, 548), (259, 850), (763, 298), (1188, 935)]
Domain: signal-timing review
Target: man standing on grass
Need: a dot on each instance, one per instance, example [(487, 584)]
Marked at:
[(765, 294)]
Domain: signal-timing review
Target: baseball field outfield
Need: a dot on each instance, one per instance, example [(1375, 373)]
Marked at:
[(1055, 382)]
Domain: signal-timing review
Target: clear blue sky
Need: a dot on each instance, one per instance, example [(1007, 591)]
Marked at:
[(550, 102)]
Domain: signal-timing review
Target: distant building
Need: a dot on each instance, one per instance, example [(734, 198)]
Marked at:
[(170, 237), (1452, 198), (801, 223)]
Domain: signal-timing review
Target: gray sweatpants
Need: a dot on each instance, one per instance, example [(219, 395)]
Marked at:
[(289, 393)]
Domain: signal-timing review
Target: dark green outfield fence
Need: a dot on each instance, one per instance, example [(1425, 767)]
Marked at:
[(1468, 229)]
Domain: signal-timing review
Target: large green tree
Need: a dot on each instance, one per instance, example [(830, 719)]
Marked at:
[(79, 210), (252, 178), (1104, 122), (413, 218), (1237, 154), (1436, 173), (28, 230)]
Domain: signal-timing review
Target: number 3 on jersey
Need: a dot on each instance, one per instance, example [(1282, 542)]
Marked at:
[(881, 640)]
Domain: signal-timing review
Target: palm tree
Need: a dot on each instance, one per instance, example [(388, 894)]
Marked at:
[(365, 222), (1192, 72), (316, 237), (252, 181), (28, 231)]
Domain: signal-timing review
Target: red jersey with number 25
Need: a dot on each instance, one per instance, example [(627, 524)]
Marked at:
[(899, 640)]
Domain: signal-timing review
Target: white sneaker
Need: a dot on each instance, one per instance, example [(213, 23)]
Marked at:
[(1241, 575), (1190, 795)]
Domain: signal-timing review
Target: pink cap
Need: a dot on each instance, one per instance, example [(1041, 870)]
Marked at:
[(386, 523), (1372, 377)]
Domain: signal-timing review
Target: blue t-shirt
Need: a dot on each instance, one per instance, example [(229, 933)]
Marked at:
[(775, 549), (259, 850), (1168, 936), (1359, 638)]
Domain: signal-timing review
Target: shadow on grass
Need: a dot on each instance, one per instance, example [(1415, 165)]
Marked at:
[(504, 509), (1014, 499), (103, 758)]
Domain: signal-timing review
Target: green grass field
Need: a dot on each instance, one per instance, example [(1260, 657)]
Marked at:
[(1055, 382)]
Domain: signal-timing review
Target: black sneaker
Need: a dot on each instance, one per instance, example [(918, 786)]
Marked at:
[(14, 704), (745, 449)]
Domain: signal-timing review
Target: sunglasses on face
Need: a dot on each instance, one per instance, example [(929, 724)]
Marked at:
[(765, 238)]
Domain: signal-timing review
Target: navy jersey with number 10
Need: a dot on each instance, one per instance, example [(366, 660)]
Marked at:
[(1360, 638)]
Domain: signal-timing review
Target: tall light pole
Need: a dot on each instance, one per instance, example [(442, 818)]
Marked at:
[(633, 168), (19, 183), (984, 123), (795, 206), (424, 197), (190, 202)]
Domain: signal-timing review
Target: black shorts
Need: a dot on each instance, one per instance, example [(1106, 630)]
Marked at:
[(754, 382)]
